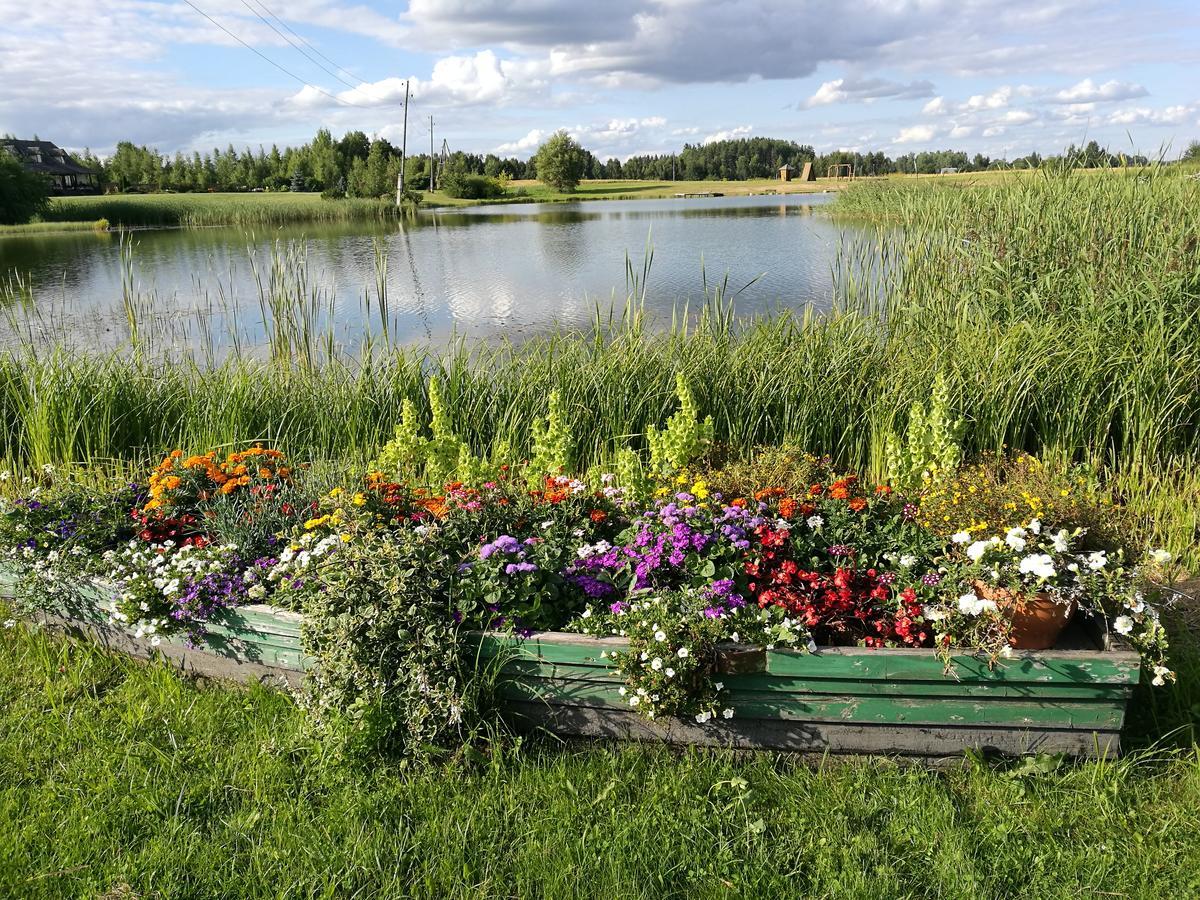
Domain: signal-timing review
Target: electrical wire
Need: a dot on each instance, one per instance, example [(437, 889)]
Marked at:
[(278, 66), (305, 41), (300, 49)]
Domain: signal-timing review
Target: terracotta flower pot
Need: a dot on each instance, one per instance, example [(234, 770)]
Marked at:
[(1037, 619)]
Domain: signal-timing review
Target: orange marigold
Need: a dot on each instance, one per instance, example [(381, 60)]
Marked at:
[(858, 504), (787, 507)]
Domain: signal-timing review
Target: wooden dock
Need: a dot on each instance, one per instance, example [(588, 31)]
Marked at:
[(700, 194)]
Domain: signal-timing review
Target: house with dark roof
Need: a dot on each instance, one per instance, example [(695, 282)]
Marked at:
[(66, 176)]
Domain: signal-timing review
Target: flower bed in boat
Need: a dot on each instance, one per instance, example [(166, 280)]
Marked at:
[(1068, 700)]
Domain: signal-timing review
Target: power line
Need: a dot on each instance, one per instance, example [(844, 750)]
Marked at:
[(306, 43), (281, 68), (302, 51)]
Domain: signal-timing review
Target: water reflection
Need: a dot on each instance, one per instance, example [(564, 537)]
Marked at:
[(480, 271)]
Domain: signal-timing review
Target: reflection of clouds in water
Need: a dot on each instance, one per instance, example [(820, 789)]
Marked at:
[(479, 271)]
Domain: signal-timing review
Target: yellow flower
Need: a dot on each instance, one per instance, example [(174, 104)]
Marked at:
[(335, 493), (359, 499), (700, 490), (346, 538), (315, 523)]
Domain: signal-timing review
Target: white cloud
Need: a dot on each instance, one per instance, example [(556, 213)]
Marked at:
[(997, 99), (935, 107), (1087, 91), (525, 145), (454, 81), (1171, 115), (915, 134), (866, 90), (728, 134)]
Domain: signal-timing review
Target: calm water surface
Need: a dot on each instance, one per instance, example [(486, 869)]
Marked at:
[(480, 272)]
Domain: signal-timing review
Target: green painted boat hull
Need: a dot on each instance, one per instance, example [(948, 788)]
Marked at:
[(838, 700)]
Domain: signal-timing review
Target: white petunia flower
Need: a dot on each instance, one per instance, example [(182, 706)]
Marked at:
[(1035, 525), (656, 663), (814, 521), (1097, 561), (669, 672), (907, 561), (683, 653), (977, 549), (727, 712), (1122, 625), (660, 636), (1060, 541), (1039, 564), (703, 717), (961, 537), (1162, 557), (1016, 538)]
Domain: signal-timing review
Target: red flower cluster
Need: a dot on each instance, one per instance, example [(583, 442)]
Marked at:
[(155, 528), (843, 606)]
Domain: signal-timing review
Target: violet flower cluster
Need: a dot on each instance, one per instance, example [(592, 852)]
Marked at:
[(661, 546)]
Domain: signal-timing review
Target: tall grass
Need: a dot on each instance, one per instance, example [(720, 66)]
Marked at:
[(1063, 310), (195, 210), (55, 227)]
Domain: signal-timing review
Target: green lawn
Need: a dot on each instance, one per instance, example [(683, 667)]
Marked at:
[(621, 189), (122, 780)]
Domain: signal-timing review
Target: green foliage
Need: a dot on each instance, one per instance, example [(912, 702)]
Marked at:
[(560, 162), (441, 457), (465, 186), (23, 194), (551, 443), (403, 456), (685, 439), (632, 476), (931, 448)]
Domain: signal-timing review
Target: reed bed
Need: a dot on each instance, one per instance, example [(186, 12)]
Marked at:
[(1062, 310), (57, 227), (198, 210)]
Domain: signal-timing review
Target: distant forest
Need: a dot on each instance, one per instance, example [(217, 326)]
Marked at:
[(357, 166)]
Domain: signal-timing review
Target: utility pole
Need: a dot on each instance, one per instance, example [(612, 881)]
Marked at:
[(431, 154), (403, 149)]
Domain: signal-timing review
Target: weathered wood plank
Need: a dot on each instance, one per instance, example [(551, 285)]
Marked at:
[(208, 662), (862, 709), (788, 685), (932, 742)]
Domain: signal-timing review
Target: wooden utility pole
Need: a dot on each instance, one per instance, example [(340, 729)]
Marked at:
[(431, 154), (403, 149)]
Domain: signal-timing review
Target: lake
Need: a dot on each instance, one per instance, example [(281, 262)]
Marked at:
[(481, 271)]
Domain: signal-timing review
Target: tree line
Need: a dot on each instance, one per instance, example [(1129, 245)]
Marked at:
[(358, 166)]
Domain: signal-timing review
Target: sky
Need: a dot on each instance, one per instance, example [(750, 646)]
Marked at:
[(625, 77)]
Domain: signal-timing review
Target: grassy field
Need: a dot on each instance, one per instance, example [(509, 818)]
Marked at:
[(119, 780), (194, 210)]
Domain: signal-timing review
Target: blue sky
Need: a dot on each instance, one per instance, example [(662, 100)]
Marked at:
[(624, 76)]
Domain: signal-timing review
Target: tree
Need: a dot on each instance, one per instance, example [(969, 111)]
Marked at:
[(561, 162), (1192, 153), (23, 194)]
